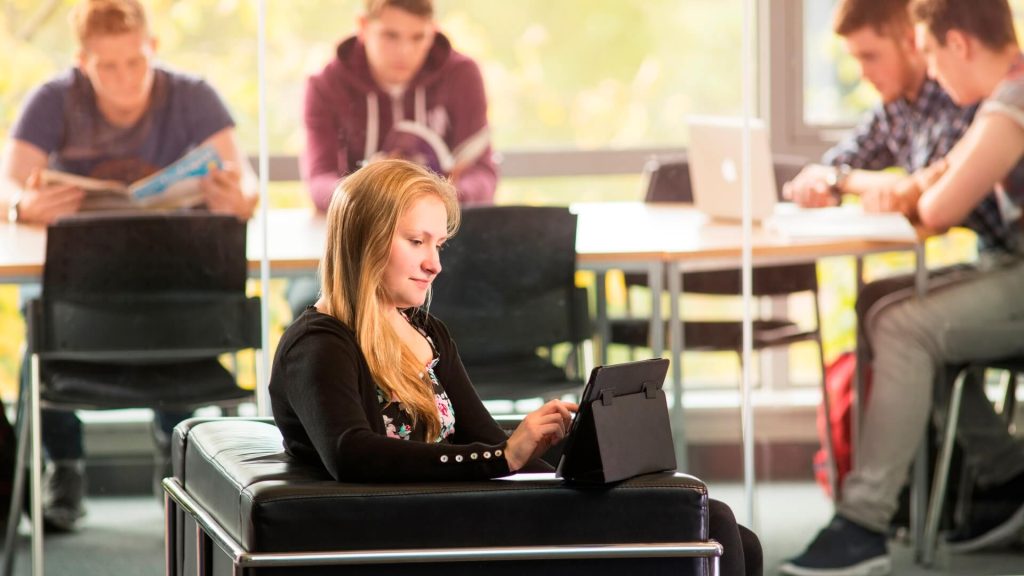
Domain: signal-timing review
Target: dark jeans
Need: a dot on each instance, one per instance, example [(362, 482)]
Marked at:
[(62, 432)]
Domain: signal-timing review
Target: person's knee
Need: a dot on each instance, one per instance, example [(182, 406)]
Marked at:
[(897, 326)]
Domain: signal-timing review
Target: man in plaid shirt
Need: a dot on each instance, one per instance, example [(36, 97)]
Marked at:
[(915, 124)]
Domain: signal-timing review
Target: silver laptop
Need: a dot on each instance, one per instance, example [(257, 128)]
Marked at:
[(716, 168)]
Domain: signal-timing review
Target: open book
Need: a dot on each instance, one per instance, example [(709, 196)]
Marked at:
[(418, 143), (848, 221), (176, 186)]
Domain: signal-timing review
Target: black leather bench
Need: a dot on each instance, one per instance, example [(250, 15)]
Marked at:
[(237, 504)]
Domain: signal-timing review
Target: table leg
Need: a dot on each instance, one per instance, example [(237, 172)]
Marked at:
[(856, 404), (677, 345), (603, 328)]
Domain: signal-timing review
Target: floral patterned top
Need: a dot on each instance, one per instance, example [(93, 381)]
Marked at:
[(398, 421)]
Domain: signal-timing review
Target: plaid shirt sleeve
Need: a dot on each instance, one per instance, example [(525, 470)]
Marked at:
[(866, 147)]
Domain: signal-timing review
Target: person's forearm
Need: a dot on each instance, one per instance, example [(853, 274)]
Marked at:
[(861, 181)]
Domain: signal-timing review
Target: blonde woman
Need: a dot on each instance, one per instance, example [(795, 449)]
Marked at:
[(368, 383)]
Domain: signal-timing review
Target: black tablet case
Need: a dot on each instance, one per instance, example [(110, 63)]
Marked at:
[(620, 436)]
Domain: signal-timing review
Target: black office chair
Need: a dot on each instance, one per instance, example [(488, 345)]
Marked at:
[(134, 312), (972, 374), (669, 181), (507, 293)]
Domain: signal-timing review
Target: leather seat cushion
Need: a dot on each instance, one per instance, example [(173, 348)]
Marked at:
[(237, 471)]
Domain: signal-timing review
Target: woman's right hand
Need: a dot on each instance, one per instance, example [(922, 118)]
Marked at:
[(538, 431)]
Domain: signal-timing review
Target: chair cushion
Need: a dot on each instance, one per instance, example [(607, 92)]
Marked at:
[(178, 385), (237, 471)]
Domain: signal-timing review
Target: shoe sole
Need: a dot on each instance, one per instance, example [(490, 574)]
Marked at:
[(874, 567), (999, 535)]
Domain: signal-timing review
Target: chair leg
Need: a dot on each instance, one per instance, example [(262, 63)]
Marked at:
[(1010, 397), (940, 478), (826, 405), (262, 390), (830, 447), (37, 471), (919, 504), (21, 432), (747, 441)]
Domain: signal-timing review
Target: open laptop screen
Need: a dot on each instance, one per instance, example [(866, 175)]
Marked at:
[(717, 168)]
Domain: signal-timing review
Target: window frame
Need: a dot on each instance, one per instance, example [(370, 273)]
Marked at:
[(782, 86)]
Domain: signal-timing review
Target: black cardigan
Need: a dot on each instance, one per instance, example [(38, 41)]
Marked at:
[(325, 403)]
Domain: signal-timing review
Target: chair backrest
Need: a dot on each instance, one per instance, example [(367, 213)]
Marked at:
[(144, 288), (786, 168), (668, 179), (507, 282)]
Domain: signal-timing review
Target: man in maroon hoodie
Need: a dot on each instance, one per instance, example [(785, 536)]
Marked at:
[(398, 70)]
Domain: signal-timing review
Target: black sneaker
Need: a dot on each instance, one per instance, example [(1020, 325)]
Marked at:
[(63, 492), (842, 549)]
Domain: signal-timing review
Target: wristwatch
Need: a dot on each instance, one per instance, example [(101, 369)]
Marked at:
[(837, 178), (12, 207)]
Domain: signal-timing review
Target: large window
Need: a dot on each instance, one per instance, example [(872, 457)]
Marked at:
[(831, 90), (590, 74)]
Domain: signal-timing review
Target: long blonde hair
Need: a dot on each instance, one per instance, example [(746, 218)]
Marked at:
[(361, 223)]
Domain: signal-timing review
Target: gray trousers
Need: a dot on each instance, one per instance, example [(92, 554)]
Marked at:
[(911, 345)]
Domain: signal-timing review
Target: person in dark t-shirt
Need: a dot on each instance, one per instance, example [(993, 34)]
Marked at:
[(115, 115)]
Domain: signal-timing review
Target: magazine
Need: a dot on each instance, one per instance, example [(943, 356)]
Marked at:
[(418, 143), (176, 186)]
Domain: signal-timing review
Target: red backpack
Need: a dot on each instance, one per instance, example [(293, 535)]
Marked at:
[(839, 385)]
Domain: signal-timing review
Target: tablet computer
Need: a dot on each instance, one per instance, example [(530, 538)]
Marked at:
[(580, 448)]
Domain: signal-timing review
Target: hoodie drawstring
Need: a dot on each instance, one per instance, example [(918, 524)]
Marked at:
[(397, 115), (421, 105), (372, 125)]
